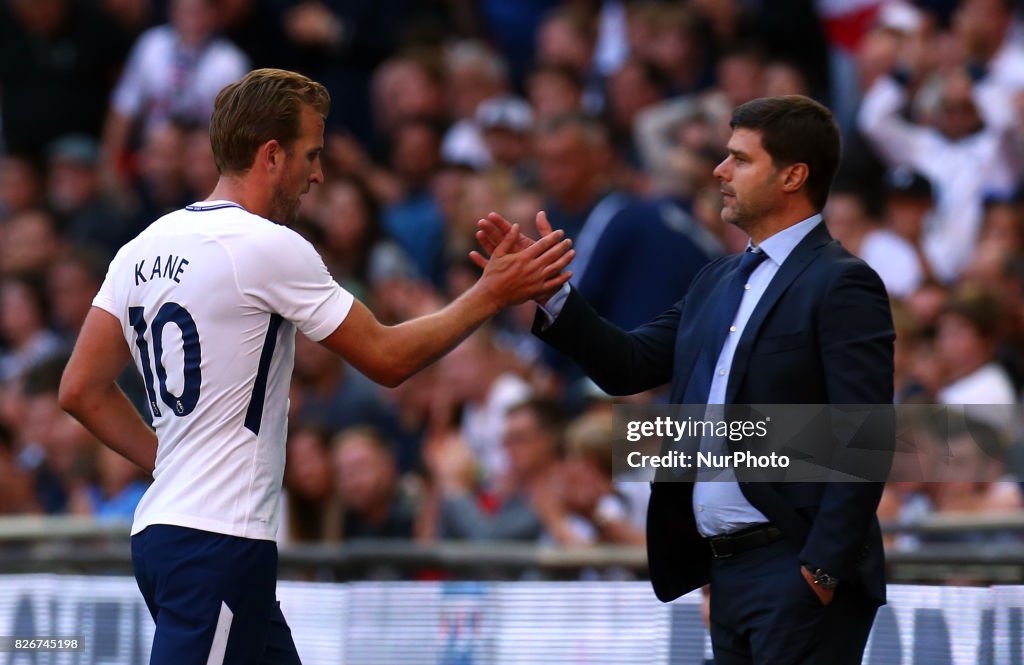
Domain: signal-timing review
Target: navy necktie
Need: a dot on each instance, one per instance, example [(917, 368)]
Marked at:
[(722, 314)]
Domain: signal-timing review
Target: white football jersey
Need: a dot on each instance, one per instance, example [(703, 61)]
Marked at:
[(209, 298)]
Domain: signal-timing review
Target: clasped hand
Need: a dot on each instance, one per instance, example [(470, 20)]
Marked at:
[(520, 268)]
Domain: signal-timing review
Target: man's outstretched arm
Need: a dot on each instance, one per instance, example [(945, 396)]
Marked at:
[(391, 354), (620, 362)]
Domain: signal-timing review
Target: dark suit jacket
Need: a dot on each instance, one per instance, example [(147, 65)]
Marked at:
[(821, 334)]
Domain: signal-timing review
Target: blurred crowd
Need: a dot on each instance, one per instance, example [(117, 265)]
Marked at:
[(608, 114)]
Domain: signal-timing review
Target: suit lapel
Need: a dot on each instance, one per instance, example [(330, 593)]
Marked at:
[(693, 330), (795, 263)]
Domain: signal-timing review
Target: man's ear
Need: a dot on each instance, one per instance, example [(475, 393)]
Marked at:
[(270, 155), (794, 176)]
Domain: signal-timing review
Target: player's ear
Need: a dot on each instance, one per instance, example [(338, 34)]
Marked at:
[(271, 154)]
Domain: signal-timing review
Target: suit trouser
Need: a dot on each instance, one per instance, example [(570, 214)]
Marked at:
[(763, 612)]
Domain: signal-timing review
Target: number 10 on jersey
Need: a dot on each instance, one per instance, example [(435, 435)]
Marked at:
[(170, 312)]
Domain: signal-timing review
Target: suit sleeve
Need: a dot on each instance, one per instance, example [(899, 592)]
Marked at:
[(620, 362), (856, 341)]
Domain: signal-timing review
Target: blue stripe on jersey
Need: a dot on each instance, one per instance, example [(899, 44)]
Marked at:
[(254, 414), (219, 206)]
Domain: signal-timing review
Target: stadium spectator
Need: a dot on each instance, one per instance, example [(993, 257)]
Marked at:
[(555, 90), (482, 381), (404, 88), (787, 30), (635, 86), (161, 185), (366, 479), (28, 340), (353, 238), (643, 261), (30, 244), (473, 74), (85, 214), (310, 513), (200, 170), (506, 125), (58, 61), (567, 37), (699, 121), (531, 440), (985, 31), (413, 406), (413, 218), (21, 188), (340, 43), (581, 504), (118, 487), (328, 393), (909, 212), (973, 472), (572, 159), (961, 155), (173, 73), (71, 283), (51, 445), (909, 386), (1000, 239), (782, 77), (17, 494), (674, 47), (853, 224), (968, 332)]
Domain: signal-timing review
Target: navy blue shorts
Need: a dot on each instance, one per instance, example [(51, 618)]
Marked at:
[(213, 598)]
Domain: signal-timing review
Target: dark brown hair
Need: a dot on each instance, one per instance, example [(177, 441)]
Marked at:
[(796, 130)]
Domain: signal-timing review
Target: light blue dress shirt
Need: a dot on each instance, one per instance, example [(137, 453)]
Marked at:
[(719, 505)]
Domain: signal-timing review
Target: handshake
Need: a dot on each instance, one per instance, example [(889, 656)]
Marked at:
[(517, 268)]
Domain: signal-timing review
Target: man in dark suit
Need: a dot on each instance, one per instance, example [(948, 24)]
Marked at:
[(796, 569)]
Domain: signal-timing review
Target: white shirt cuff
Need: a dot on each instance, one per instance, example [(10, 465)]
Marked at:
[(553, 307)]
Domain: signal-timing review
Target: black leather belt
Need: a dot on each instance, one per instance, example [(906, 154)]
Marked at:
[(733, 543)]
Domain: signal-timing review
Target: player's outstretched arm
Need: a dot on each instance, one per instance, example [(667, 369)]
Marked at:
[(391, 354), (89, 393)]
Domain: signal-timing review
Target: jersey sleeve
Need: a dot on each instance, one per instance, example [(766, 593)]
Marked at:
[(106, 297), (285, 275)]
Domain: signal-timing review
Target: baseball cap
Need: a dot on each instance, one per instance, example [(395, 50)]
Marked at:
[(900, 17), (509, 113), (904, 181), (76, 148)]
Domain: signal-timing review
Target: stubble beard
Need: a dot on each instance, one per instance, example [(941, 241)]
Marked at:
[(283, 208), (747, 215), (743, 216)]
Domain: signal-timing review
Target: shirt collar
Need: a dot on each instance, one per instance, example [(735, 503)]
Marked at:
[(779, 246)]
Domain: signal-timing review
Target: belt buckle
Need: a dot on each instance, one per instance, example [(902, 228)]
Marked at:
[(721, 554)]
